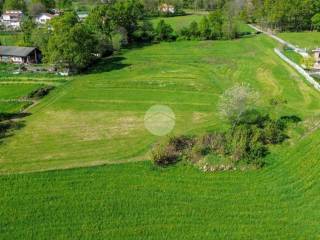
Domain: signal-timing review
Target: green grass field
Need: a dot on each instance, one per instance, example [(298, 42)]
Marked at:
[(15, 88), (309, 40), (97, 119), (296, 57)]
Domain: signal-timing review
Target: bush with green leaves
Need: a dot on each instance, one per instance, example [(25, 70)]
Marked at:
[(171, 150), (144, 33), (316, 22), (216, 26), (245, 143), (190, 33), (164, 32), (205, 29), (41, 92)]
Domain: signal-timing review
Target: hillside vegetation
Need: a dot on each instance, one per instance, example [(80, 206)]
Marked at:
[(98, 118), (94, 119)]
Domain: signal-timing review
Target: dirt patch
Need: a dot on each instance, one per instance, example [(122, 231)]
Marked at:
[(199, 117), (267, 77), (90, 125)]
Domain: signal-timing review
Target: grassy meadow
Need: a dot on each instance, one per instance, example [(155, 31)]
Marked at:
[(295, 57), (309, 40), (97, 119), (15, 88)]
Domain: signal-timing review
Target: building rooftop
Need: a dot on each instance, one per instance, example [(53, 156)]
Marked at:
[(15, 51), (13, 13), (46, 14)]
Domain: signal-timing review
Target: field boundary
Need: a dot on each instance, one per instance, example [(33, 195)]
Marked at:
[(300, 51), (305, 74)]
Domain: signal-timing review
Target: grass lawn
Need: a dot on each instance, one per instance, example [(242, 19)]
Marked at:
[(14, 88), (12, 96), (309, 40), (98, 118), (296, 57)]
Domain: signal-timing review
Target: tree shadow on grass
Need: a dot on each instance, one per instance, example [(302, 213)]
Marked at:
[(9, 123), (107, 64)]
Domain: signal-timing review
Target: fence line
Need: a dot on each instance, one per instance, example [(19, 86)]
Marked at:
[(305, 74), (300, 51)]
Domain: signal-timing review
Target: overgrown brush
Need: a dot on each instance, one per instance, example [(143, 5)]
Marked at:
[(41, 92), (246, 143), (172, 150)]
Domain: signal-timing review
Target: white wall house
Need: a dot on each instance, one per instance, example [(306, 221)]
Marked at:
[(82, 15), (167, 8), (43, 18), (12, 19)]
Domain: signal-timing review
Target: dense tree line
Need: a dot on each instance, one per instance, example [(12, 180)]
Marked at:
[(284, 15), (217, 25)]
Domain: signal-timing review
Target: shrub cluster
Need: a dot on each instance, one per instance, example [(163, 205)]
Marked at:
[(7, 124), (245, 143), (40, 93), (216, 26), (172, 150)]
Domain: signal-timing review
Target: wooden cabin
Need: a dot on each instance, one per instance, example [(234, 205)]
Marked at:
[(20, 55)]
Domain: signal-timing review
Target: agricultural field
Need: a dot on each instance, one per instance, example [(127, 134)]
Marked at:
[(97, 119), (15, 88), (308, 40)]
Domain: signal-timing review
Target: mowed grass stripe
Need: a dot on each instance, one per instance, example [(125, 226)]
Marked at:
[(138, 201), (72, 119)]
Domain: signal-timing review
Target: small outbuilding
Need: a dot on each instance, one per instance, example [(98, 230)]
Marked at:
[(43, 18), (317, 59), (167, 8), (20, 55)]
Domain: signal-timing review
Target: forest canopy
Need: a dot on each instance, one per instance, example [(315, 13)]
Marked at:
[(284, 15)]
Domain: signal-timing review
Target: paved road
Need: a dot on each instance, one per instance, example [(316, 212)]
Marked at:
[(300, 51)]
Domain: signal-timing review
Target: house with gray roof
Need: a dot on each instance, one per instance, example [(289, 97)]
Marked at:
[(19, 55), (12, 19)]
